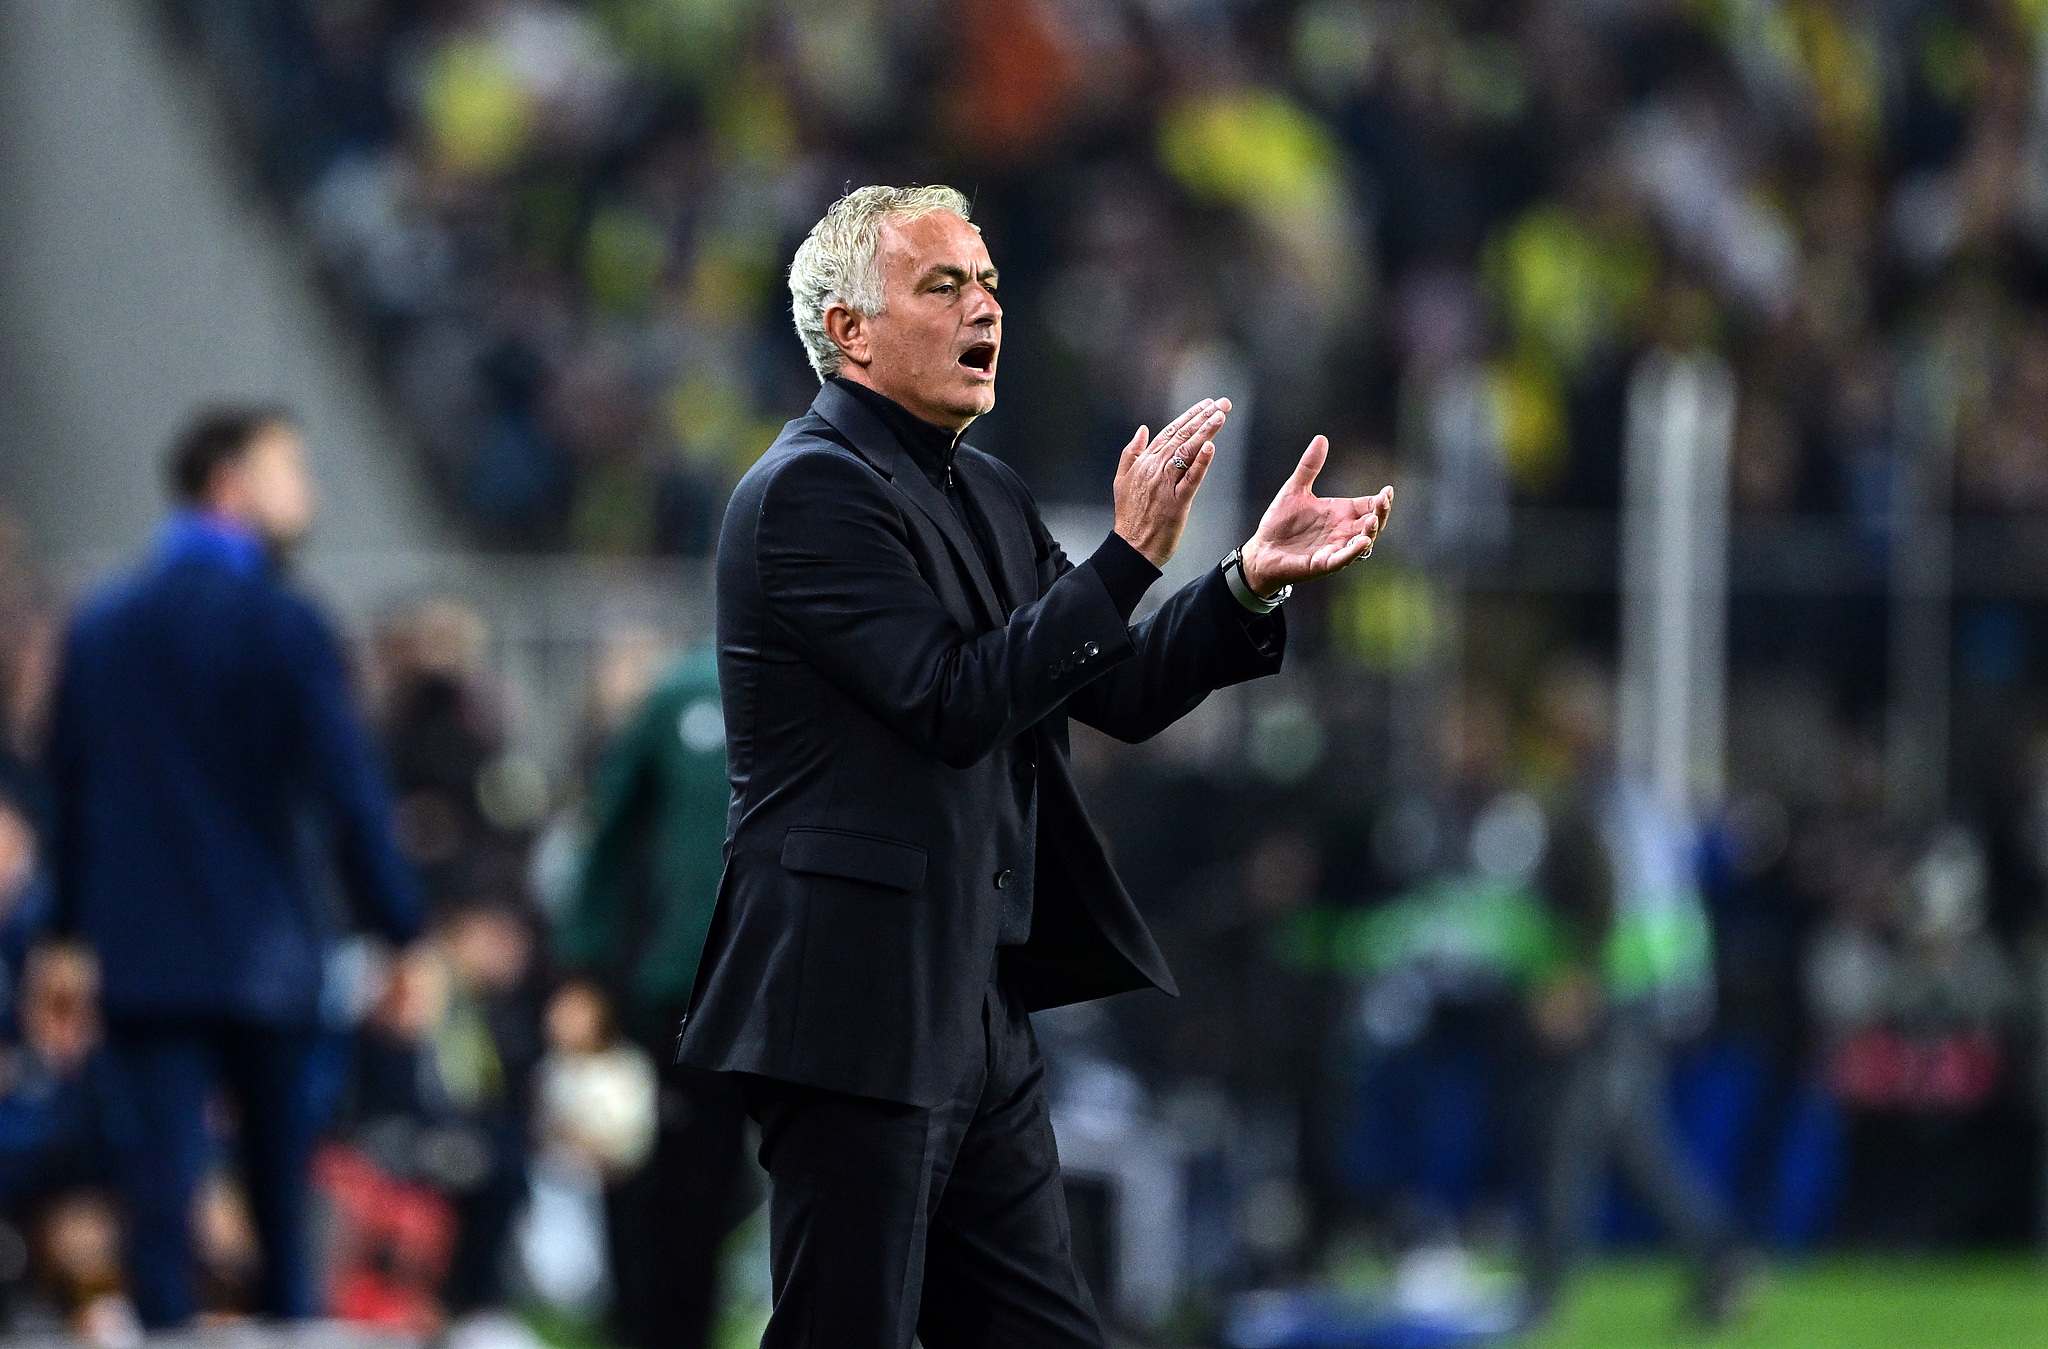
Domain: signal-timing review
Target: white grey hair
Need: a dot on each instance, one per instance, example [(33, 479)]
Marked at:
[(836, 263)]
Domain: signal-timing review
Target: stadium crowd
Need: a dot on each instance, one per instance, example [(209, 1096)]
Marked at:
[(1446, 229), (1443, 233)]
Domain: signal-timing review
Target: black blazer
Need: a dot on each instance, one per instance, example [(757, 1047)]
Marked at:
[(887, 715)]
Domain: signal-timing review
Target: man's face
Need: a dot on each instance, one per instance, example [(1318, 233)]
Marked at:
[(268, 487), (933, 348)]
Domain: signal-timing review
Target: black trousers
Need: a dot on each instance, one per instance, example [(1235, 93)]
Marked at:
[(667, 1221), (886, 1220), (1607, 1101), (167, 1070)]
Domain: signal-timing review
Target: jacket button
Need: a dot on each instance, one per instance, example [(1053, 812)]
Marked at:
[(1067, 665), (1003, 879), (1091, 649), (1052, 670)]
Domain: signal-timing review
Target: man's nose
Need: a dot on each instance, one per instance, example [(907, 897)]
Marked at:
[(985, 309)]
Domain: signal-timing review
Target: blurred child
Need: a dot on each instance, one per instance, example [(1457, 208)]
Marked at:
[(596, 1090), (595, 1121)]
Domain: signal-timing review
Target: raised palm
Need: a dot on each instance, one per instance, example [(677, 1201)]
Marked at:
[(1303, 536)]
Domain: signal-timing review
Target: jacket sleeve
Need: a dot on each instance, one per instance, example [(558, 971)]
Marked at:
[(590, 933), (344, 770), (833, 558), (1200, 640)]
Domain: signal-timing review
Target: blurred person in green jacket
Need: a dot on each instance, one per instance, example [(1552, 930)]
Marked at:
[(635, 932)]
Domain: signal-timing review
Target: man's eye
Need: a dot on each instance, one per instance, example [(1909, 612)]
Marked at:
[(943, 288)]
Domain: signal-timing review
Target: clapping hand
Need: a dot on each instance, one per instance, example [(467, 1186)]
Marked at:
[(1303, 536), (1158, 476)]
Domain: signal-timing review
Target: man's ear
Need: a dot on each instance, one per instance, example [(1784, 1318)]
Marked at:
[(227, 489), (849, 332)]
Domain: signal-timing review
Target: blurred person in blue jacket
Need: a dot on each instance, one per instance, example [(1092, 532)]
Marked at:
[(203, 722)]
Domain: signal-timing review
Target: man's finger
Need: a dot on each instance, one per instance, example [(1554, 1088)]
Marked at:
[(1311, 464), (1178, 425), (1373, 508), (1200, 433), (1194, 426), (1349, 552), (1198, 468), (1184, 434), (1131, 451)]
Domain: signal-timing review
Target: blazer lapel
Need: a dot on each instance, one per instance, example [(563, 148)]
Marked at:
[(879, 447), (1016, 559)]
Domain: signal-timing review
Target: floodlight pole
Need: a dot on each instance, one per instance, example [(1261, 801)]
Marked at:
[(1674, 579), (1922, 581)]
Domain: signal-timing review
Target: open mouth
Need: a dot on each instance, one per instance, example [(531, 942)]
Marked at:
[(980, 357)]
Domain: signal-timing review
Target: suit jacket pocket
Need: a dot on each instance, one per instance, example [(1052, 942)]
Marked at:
[(856, 857)]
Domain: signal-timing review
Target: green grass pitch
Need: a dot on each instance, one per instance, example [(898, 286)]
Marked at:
[(1842, 1302)]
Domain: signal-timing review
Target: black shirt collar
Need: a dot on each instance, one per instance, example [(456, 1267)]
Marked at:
[(932, 447)]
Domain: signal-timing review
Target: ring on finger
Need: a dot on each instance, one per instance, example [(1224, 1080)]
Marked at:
[(1179, 463)]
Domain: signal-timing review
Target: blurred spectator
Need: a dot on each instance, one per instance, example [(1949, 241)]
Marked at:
[(1251, 1036), (594, 1121), (1436, 1137), (25, 898), (466, 802), (203, 718), (28, 648), (485, 1053), (62, 1125), (389, 1175), (596, 1091), (440, 1114), (658, 803), (1917, 1004), (57, 1082), (77, 1253), (1616, 878)]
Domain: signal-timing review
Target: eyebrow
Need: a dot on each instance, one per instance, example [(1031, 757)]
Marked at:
[(951, 272)]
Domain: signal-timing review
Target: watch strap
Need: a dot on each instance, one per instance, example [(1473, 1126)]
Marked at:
[(1241, 590)]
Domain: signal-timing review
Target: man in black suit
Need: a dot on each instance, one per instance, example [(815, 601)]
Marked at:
[(909, 868)]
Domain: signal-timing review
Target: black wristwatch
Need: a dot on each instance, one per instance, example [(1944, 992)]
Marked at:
[(1233, 572)]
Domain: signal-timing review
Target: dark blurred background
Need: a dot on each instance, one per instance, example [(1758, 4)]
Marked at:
[(1706, 342)]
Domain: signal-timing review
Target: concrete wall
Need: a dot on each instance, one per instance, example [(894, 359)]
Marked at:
[(139, 275)]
